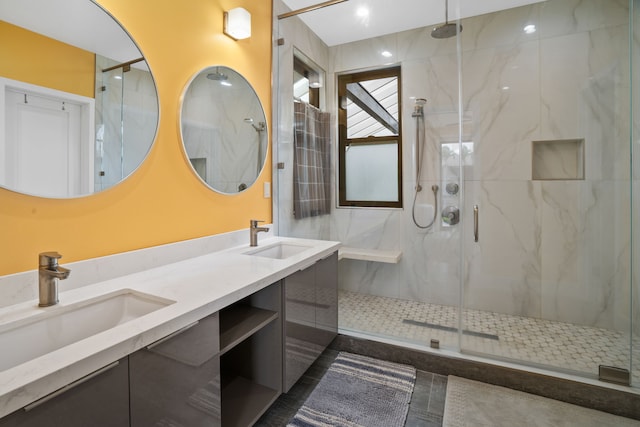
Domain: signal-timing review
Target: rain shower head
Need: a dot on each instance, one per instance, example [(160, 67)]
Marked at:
[(445, 31), (217, 76), (448, 29)]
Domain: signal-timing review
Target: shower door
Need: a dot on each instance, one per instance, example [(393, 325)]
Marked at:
[(126, 119), (547, 269)]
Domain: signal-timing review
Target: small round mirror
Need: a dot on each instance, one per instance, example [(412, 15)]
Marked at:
[(224, 129)]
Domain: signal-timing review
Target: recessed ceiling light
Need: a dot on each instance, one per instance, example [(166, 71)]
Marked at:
[(362, 12), (386, 54), (530, 29)]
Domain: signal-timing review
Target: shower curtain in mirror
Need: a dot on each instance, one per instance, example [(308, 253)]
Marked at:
[(311, 159)]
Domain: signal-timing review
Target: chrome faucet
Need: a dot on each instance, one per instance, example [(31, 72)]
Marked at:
[(254, 230), (48, 274)]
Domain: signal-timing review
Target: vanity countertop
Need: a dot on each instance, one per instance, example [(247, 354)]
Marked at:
[(199, 286)]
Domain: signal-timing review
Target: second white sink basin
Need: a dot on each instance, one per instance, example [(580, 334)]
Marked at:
[(279, 250), (60, 325)]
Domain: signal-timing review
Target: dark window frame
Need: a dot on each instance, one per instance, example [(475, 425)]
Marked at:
[(344, 141)]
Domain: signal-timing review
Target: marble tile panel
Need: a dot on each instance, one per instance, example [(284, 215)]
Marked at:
[(566, 69), (500, 91), (431, 258), (584, 266), (502, 269), (434, 126), (562, 250), (583, 91), (418, 44), (504, 28), (367, 228), (363, 54), (558, 18), (442, 95), (604, 99), (369, 277)]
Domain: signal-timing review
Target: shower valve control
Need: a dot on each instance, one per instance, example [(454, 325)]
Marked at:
[(451, 215), (452, 188)]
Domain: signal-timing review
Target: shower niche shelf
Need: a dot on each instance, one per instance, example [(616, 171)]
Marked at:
[(561, 159)]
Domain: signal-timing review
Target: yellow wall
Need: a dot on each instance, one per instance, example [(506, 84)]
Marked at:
[(39, 60), (163, 201)]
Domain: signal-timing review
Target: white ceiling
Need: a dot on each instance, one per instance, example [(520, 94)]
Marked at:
[(341, 23), (95, 31)]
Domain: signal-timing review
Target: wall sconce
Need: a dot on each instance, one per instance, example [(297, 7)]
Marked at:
[(237, 23)]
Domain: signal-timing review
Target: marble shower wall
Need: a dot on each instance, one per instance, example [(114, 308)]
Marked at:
[(558, 249)]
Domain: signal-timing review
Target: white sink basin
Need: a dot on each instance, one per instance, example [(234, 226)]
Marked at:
[(59, 326), (279, 250)]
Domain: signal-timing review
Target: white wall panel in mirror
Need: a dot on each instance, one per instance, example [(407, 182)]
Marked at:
[(73, 59), (224, 130)]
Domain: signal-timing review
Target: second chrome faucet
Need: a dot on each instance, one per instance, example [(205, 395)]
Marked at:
[(254, 230)]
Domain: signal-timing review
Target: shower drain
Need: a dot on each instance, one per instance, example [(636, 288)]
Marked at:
[(450, 329)]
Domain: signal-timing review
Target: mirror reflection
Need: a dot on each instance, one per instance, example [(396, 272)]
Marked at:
[(224, 129), (79, 108)]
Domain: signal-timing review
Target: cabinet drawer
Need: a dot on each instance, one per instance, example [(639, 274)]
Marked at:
[(176, 381), (101, 399)]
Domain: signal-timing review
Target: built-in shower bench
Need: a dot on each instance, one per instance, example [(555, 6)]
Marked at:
[(375, 255)]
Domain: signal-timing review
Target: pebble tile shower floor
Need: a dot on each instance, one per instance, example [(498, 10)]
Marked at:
[(536, 341)]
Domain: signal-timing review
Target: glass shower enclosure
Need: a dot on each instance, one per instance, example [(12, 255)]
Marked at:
[(530, 126)]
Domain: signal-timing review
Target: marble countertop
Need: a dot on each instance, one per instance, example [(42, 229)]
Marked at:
[(199, 286)]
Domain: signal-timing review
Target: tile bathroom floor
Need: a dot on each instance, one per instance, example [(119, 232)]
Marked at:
[(425, 410), (535, 341)]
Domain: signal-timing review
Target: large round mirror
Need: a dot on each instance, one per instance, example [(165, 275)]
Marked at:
[(78, 104), (224, 129)]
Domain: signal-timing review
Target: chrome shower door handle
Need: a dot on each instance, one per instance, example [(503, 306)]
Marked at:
[(475, 223)]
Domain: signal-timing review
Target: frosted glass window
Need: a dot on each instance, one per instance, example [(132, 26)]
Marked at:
[(372, 172), (369, 138)]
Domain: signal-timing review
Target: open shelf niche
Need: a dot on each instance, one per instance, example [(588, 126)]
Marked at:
[(561, 159), (251, 356)]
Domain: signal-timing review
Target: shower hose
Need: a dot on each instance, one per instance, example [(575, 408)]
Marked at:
[(419, 116)]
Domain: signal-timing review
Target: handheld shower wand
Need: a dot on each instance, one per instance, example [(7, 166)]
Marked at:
[(418, 114)]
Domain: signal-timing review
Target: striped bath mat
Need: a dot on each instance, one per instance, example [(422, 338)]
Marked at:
[(359, 391)]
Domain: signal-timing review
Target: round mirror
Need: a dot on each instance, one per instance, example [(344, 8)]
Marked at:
[(79, 108), (224, 130)]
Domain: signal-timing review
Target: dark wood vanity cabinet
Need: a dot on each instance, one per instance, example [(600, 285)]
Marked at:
[(311, 316), (176, 380), (100, 399)]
